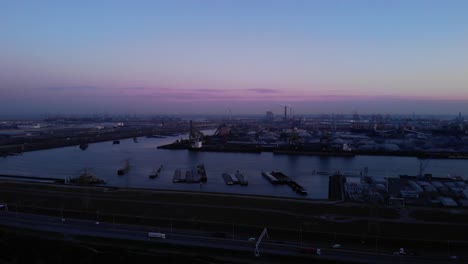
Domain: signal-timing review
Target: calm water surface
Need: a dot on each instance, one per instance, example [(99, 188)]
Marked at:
[(104, 159)]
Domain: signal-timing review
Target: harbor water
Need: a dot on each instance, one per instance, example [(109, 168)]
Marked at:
[(104, 159)]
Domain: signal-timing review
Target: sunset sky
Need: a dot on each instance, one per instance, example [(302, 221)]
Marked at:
[(204, 57)]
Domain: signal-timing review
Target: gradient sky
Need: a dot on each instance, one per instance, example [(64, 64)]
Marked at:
[(247, 55)]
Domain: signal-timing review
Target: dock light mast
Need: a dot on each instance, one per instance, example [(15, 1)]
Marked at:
[(257, 251)]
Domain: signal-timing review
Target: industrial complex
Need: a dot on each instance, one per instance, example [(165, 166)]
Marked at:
[(381, 218)]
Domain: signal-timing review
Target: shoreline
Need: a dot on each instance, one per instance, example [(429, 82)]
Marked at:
[(14, 150), (129, 206), (57, 182), (302, 152)]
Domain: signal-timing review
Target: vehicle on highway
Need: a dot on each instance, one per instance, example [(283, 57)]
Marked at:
[(402, 251), (336, 246), (156, 235), (252, 239)]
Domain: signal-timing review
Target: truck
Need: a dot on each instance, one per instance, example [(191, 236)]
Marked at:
[(156, 235)]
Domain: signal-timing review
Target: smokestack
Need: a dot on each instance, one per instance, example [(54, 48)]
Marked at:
[(191, 130), (285, 113)]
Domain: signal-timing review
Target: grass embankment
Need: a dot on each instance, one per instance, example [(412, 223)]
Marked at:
[(232, 215)]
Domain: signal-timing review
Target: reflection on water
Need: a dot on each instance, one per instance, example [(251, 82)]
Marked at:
[(104, 159)]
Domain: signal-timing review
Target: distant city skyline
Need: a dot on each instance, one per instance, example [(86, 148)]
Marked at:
[(206, 57)]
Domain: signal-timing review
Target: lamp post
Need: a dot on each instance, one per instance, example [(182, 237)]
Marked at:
[(61, 215), (97, 217)]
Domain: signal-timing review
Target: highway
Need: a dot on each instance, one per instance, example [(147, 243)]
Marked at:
[(72, 228)]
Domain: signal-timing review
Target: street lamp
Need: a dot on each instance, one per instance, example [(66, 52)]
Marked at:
[(171, 224), (61, 214), (97, 217)]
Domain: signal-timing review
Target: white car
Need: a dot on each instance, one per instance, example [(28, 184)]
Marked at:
[(336, 246)]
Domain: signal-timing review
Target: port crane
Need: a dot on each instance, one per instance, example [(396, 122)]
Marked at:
[(257, 251)]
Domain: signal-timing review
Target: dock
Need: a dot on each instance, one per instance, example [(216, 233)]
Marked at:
[(236, 178), (124, 169), (153, 174), (201, 173), (177, 176), (195, 177), (187, 176), (156, 173), (281, 177), (297, 188), (228, 179), (31, 178), (86, 178), (270, 178), (241, 179), (284, 179)]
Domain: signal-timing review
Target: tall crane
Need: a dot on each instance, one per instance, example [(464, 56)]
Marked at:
[(257, 251)]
